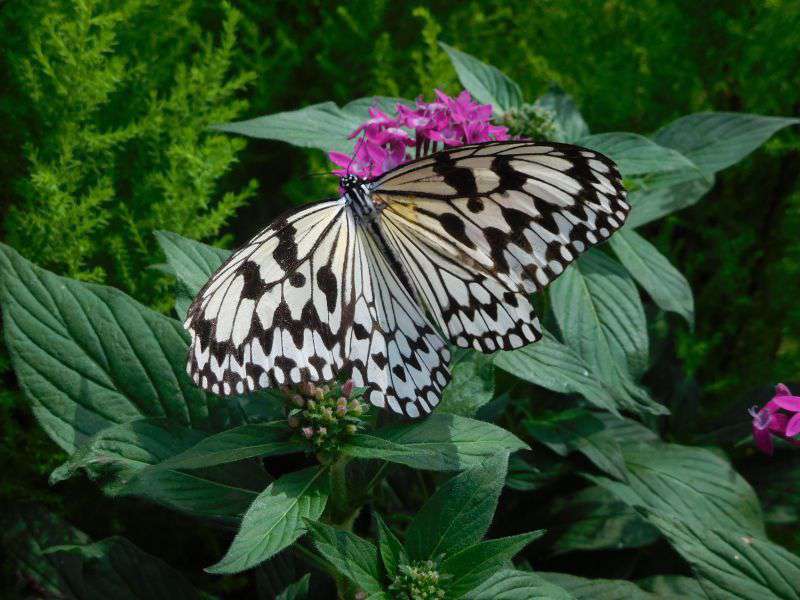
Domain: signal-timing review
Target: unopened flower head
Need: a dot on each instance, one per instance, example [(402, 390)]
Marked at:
[(324, 414)]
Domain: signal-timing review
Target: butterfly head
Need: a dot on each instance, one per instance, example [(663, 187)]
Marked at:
[(350, 183)]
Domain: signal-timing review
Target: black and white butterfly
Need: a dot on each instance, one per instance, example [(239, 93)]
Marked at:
[(373, 285)]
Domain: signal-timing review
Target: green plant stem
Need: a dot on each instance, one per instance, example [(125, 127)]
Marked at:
[(314, 560), (341, 513)]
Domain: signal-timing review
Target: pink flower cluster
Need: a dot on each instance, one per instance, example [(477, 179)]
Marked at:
[(385, 141), (769, 421)]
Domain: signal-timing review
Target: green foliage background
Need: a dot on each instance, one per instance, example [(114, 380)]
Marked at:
[(105, 106)]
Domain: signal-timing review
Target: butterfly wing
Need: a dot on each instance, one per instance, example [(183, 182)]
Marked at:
[(478, 228), (392, 347), (275, 311), (308, 298)]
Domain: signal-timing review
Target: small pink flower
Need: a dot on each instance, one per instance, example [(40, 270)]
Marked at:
[(769, 421), (383, 141)]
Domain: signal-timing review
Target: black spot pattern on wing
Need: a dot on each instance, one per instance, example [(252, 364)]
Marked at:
[(480, 227)]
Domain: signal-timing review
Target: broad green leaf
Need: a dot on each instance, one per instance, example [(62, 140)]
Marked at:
[(127, 460), (440, 442), (600, 313), (459, 512), (116, 568), (594, 519), (475, 564), (89, 357), (582, 431), (297, 590), (582, 588), (651, 269), (569, 120), (649, 204), (716, 140), (673, 587), (275, 519), (486, 83), (324, 126), (354, 557), (393, 554), (638, 155), (192, 262), (732, 564), (28, 530), (692, 484), (601, 316), (557, 367), (510, 584), (472, 384), (239, 443)]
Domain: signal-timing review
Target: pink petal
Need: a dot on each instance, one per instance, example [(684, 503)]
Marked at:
[(763, 440), (782, 390), (791, 403), (793, 427), (777, 423)]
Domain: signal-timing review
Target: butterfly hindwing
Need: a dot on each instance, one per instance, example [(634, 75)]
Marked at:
[(478, 228)]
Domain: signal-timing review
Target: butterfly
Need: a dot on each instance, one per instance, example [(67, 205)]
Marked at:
[(374, 284)]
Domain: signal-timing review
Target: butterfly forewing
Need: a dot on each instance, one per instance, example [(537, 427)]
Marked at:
[(478, 228)]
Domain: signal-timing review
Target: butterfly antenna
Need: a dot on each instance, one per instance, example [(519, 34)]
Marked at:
[(355, 151)]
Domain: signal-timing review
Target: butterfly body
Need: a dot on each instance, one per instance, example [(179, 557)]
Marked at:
[(446, 248)]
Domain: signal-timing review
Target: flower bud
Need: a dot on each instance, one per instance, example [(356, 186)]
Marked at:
[(327, 413), (341, 407), (355, 407), (312, 405), (351, 429), (294, 421), (322, 431), (308, 432), (347, 388), (298, 400), (319, 394)]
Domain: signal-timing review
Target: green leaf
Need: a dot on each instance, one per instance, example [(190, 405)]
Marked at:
[(29, 529), (557, 367), (89, 357), (324, 126), (353, 557), (459, 512), (690, 484), (510, 584), (569, 120), (732, 564), (275, 519), (239, 443), (651, 269), (472, 384), (649, 204), (582, 588), (601, 316), (116, 568), (638, 155), (673, 586), (579, 430), (475, 564), (297, 590), (595, 519), (716, 140), (440, 442), (486, 83), (392, 552), (128, 460)]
